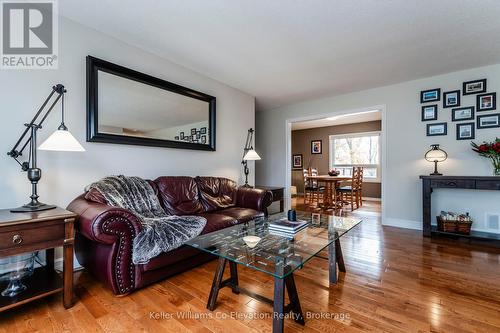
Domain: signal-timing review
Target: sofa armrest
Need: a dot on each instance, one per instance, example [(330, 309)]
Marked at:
[(257, 199), (103, 223), (104, 243)]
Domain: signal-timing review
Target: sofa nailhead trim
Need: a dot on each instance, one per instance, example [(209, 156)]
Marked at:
[(106, 227)]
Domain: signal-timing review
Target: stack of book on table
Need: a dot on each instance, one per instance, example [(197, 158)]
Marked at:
[(286, 228)]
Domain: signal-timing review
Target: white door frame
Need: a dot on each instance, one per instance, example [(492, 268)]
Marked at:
[(288, 140)]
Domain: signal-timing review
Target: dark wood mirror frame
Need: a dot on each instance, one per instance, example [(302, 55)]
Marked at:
[(93, 135)]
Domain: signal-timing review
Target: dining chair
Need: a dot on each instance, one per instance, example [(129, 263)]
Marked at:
[(311, 187), (352, 194)]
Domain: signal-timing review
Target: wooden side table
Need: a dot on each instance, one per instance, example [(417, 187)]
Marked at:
[(278, 194), (30, 232)]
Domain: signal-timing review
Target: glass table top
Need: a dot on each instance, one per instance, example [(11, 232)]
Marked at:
[(275, 254)]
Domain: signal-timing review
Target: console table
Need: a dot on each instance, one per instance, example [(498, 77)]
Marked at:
[(429, 183), (37, 231)]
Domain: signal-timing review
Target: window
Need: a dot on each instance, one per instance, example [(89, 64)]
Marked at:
[(360, 149)]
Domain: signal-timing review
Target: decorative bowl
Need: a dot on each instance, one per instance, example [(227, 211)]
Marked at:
[(333, 173), (251, 241)]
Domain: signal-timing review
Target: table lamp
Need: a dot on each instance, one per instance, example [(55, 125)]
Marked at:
[(60, 140), (436, 154), (249, 154)]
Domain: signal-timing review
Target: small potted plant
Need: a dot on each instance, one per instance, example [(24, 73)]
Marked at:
[(490, 150)]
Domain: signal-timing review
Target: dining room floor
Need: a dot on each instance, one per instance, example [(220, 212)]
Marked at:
[(369, 206)]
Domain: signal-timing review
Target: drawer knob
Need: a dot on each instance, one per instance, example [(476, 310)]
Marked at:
[(17, 239)]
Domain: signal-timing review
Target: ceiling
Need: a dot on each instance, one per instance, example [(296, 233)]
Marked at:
[(287, 51), (338, 120)]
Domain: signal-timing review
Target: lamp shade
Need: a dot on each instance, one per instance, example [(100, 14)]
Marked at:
[(436, 154), (251, 155), (61, 140)]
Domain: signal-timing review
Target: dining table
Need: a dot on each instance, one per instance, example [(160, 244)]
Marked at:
[(330, 197)]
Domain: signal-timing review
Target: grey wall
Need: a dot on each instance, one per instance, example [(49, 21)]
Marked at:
[(66, 174), (301, 144), (406, 145)]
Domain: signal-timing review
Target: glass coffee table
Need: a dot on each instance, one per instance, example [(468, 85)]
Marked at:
[(275, 255)]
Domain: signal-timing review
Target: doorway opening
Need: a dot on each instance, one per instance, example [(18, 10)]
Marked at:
[(336, 162)]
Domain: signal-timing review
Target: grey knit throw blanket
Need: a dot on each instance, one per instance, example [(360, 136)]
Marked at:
[(160, 232)]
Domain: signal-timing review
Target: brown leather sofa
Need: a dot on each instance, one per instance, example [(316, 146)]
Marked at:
[(104, 234)]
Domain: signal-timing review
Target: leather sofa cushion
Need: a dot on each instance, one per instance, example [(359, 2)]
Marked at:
[(216, 222), (179, 195), (242, 215), (216, 193)]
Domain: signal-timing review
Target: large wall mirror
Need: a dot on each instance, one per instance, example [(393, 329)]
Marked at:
[(128, 107)]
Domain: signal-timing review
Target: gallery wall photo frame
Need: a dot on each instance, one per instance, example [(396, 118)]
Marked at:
[(437, 129), (464, 113), (474, 87), (486, 102), (451, 98), (430, 95), (488, 121), (297, 161), (429, 112), (466, 131), (316, 147)]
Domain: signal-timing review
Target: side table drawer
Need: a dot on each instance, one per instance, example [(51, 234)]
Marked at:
[(31, 236), (488, 184), (453, 183)]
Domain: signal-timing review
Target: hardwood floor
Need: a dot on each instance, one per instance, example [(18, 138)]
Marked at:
[(396, 281)]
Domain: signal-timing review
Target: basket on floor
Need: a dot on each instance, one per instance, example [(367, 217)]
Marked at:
[(458, 227)]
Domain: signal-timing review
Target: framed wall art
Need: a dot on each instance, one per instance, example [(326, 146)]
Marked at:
[(437, 129), (474, 87), (316, 147), (486, 102), (431, 95), (451, 98)]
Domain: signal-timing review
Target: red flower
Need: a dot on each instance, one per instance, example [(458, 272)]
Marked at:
[(483, 148)]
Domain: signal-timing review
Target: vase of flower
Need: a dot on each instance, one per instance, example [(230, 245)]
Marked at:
[(490, 150)]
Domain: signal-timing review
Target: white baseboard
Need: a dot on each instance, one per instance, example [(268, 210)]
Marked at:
[(58, 265), (372, 199), (402, 223)]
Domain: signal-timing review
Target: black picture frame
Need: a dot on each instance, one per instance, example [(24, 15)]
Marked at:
[(181, 135), (176, 138), (472, 135), (493, 105), (435, 110), (94, 65), (203, 130), (456, 110), (435, 91), (314, 147), (465, 87), (446, 104), (481, 126), (193, 131), (300, 158), (203, 139), (429, 126)]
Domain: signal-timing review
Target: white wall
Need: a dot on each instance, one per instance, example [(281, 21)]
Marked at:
[(66, 174), (406, 145)]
